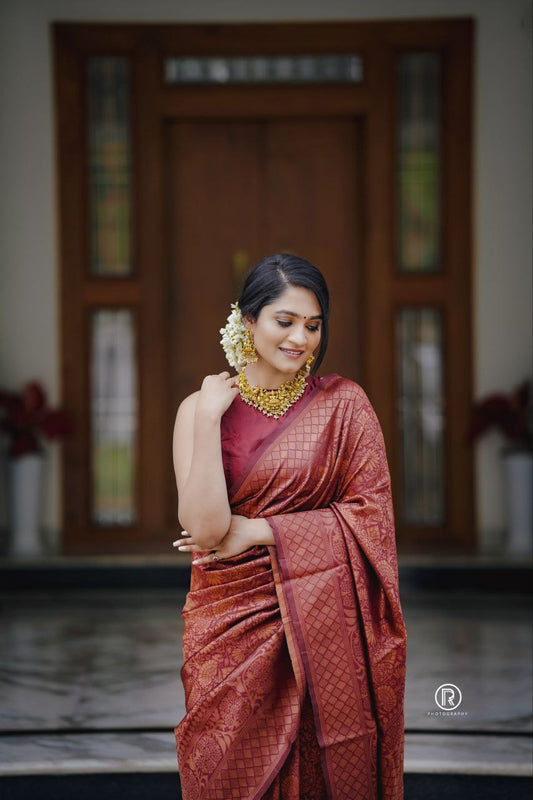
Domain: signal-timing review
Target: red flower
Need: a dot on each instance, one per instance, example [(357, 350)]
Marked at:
[(509, 414), (26, 415), (34, 397), (56, 425)]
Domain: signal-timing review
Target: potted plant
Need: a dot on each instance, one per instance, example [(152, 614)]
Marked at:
[(511, 415), (26, 418)]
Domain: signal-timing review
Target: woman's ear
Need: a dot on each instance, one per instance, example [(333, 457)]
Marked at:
[(248, 322)]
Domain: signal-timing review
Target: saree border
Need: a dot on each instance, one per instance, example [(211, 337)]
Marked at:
[(299, 674), (296, 642)]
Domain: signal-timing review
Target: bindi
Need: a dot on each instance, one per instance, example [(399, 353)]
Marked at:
[(298, 316)]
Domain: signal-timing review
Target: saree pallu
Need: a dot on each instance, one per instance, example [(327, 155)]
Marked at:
[(317, 616)]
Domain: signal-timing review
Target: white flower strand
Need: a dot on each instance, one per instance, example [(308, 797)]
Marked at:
[(233, 337)]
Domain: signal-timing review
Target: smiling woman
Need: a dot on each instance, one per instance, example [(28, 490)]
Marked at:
[(287, 292), (289, 333), (294, 641)]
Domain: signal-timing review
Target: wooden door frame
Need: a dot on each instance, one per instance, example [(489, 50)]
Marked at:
[(383, 290)]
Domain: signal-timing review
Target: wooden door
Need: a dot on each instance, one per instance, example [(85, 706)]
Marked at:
[(241, 190)]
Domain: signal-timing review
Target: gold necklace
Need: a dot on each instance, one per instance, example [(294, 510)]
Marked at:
[(272, 402)]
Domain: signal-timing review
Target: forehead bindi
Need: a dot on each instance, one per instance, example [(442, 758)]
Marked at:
[(289, 313), (297, 302)]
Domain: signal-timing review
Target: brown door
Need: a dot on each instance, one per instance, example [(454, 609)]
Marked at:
[(240, 190)]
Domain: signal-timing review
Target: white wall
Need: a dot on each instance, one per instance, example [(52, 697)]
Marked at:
[(502, 184)]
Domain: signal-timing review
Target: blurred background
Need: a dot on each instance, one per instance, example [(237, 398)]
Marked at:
[(150, 154)]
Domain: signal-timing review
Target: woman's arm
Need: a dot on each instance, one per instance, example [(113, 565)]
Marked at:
[(203, 506), (243, 533)]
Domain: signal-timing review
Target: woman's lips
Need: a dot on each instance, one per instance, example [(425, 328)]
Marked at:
[(292, 353)]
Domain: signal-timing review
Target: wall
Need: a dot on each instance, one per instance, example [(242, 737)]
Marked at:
[(502, 186)]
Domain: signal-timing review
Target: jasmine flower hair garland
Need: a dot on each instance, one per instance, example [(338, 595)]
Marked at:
[(233, 338)]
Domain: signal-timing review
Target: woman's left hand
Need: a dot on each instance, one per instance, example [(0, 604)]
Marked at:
[(242, 534)]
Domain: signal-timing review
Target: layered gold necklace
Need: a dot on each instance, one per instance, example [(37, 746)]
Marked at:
[(272, 402)]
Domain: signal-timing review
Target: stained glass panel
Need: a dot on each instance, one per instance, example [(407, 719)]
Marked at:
[(108, 115), (114, 418), (419, 162), (421, 414)]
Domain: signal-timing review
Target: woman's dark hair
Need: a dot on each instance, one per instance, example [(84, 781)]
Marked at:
[(269, 279)]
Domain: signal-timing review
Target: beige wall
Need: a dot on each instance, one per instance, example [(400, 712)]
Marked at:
[(502, 185)]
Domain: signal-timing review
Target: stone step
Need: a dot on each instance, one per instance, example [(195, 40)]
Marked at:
[(153, 752)]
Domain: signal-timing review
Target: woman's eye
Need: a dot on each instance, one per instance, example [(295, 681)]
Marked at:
[(285, 324)]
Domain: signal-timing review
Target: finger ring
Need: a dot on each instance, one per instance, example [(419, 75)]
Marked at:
[(214, 557)]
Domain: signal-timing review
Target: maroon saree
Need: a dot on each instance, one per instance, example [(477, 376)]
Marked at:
[(294, 655)]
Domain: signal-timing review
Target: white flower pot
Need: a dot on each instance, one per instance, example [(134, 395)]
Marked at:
[(25, 480), (518, 478)]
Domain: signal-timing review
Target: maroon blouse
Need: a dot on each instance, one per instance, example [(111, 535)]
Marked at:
[(243, 429)]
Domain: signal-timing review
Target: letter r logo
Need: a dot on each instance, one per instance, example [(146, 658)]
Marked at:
[(448, 696)]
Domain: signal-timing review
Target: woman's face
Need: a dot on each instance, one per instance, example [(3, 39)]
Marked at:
[(286, 333)]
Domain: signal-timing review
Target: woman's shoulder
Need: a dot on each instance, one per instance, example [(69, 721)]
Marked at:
[(337, 385), (349, 400), (187, 407)]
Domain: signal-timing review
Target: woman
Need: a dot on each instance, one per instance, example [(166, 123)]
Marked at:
[(294, 641)]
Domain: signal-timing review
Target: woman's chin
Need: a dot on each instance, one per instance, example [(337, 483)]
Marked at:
[(290, 363), (281, 365), (289, 370)]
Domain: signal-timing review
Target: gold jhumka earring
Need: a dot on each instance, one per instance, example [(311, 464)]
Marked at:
[(309, 363), (249, 353)]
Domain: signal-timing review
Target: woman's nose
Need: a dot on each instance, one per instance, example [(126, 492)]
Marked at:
[(298, 336)]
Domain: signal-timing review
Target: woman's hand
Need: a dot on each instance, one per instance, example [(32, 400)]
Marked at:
[(217, 394), (242, 534)]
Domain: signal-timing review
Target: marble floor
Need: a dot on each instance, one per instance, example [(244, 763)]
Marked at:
[(89, 682)]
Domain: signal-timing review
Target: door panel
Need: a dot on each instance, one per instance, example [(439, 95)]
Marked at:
[(212, 195), (239, 191), (310, 207)]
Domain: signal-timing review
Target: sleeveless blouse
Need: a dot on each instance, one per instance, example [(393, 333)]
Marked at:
[(243, 429)]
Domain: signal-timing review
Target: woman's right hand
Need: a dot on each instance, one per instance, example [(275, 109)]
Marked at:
[(217, 394)]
